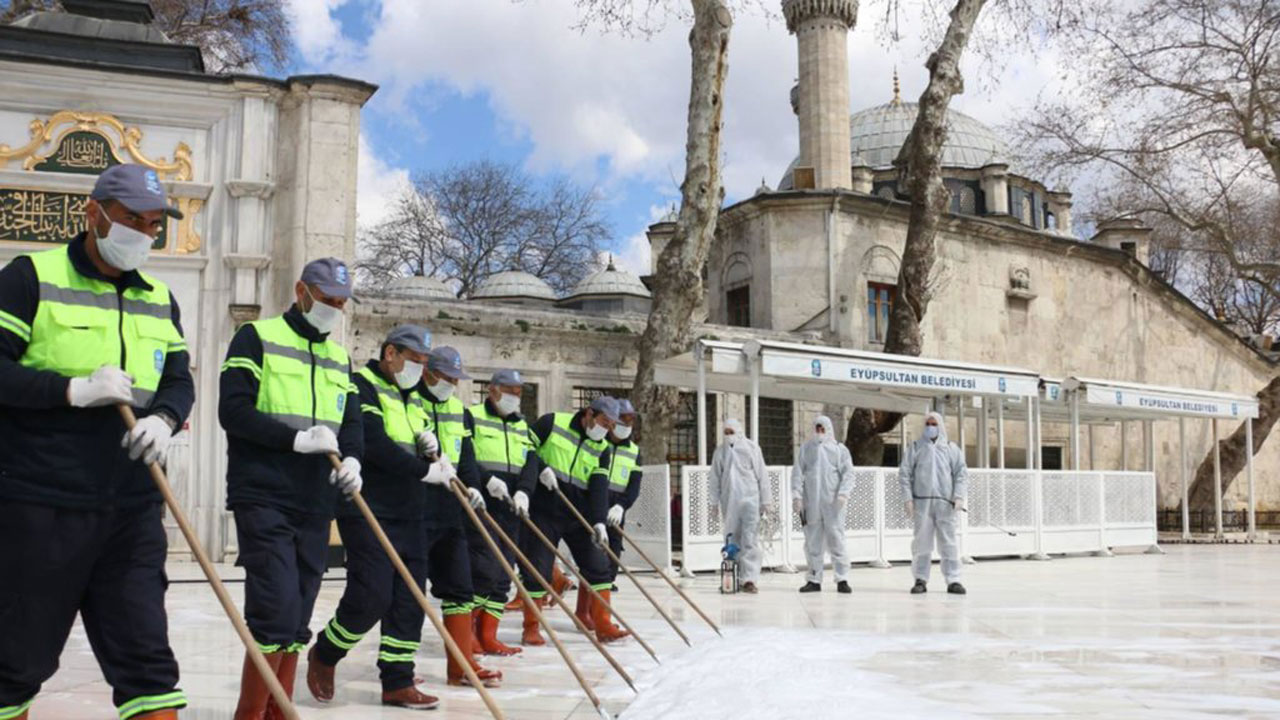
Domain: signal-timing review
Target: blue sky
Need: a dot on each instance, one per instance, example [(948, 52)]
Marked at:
[(515, 82)]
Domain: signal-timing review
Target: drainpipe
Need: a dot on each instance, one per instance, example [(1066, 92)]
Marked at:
[(831, 263)]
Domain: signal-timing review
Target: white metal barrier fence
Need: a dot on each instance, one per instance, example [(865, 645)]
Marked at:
[(1049, 512), (648, 522)]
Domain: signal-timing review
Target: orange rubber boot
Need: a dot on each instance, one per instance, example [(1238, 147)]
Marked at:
[(606, 631), (489, 642), (286, 674), (459, 628), (585, 601), (531, 635), (253, 689)]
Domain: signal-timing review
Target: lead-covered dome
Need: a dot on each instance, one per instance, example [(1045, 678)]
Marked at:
[(512, 285), (611, 281), (419, 287), (877, 134)]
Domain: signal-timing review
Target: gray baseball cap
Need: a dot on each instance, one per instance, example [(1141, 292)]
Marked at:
[(446, 361), (134, 186), (606, 406), (414, 337), (625, 407), (330, 275), (506, 377)]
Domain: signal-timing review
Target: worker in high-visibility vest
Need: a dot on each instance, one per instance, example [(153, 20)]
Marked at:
[(448, 556), (83, 330), (500, 437), (574, 456), (624, 488), (286, 403), (395, 475)]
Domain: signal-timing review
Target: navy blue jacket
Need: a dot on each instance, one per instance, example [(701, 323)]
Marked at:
[(262, 468), (56, 455)]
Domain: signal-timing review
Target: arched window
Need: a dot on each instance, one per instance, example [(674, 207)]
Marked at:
[(887, 193), (966, 201)]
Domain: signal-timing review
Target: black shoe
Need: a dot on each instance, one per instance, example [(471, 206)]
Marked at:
[(956, 588), (811, 587), (919, 587), (613, 588), (843, 587)]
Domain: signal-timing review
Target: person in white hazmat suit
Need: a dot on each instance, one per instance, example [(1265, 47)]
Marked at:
[(820, 489), (741, 486), (934, 483)]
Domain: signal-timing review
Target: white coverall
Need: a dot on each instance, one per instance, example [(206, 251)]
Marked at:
[(740, 484), (933, 477), (822, 482)]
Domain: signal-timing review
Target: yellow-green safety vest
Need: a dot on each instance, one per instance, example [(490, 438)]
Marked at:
[(83, 323), (501, 447), (620, 467), (401, 420), (290, 389), (572, 457), (446, 421)]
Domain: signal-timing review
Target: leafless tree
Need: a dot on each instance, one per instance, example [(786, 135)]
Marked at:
[(233, 35), (677, 282), (465, 223), (1180, 100)]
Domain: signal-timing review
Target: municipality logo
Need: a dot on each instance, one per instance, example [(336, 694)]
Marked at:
[(1053, 392), (1004, 385), (159, 360), (426, 338), (342, 402), (816, 368), (153, 182), (1235, 409), (1119, 398), (341, 275)]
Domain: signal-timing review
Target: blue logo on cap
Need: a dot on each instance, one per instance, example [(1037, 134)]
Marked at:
[(159, 360), (341, 275), (153, 182), (816, 368), (426, 338)]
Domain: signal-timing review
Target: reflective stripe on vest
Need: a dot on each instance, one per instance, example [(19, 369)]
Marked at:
[(620, 467), (446, 421), (501, 447), (572, 457), (82, 323), (303, 383), (402, 421)]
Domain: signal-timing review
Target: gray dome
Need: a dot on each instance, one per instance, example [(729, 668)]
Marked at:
[(418, 287), (514, 284), (877, 134), (611, 281)]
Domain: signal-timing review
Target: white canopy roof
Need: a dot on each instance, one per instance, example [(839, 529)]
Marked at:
[(823, 374)]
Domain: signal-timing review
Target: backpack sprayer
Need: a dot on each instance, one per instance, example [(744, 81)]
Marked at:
[(729, 566)]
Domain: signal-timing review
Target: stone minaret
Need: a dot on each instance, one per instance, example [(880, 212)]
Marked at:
[(821, 28)]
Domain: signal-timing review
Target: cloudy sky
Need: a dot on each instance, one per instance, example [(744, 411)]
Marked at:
[(515, 81)]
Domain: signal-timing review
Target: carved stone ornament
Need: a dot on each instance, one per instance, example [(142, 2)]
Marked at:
[(1020, 284)]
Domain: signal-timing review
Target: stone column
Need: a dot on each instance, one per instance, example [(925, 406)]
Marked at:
[(863, 179), (315, 197), (1060, 206), (1126, 234), (821, 28), (995, 186)]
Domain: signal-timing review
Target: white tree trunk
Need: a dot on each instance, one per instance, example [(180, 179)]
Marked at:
[(677, 284)]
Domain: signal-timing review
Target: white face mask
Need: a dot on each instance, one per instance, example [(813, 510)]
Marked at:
[(409, 376), (731, 439), (597, 432), (442, 390), (507, 404), (324, 318), (622, 432), (931, 432), (124, 248)]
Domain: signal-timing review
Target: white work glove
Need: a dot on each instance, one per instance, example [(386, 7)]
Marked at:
[(441, 472), (520, 503), (602, 536), (315, 440), (960, 505), (797, 505), (615, 516), (548, 479), (108, 385), (428, 444), (347, 478), (475, 498), (149, 439), (910, 508), (497, 488)]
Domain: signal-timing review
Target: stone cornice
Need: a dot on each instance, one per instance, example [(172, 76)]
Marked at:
[(798, 11)]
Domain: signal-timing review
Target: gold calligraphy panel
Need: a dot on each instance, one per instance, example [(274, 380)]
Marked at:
[(38, 216)]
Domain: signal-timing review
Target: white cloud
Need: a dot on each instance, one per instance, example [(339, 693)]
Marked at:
[(377, 186), (633, 255), (587, 99)]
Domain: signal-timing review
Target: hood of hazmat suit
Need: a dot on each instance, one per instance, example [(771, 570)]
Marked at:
[(933, 468), (738, 478), (823, 472)]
